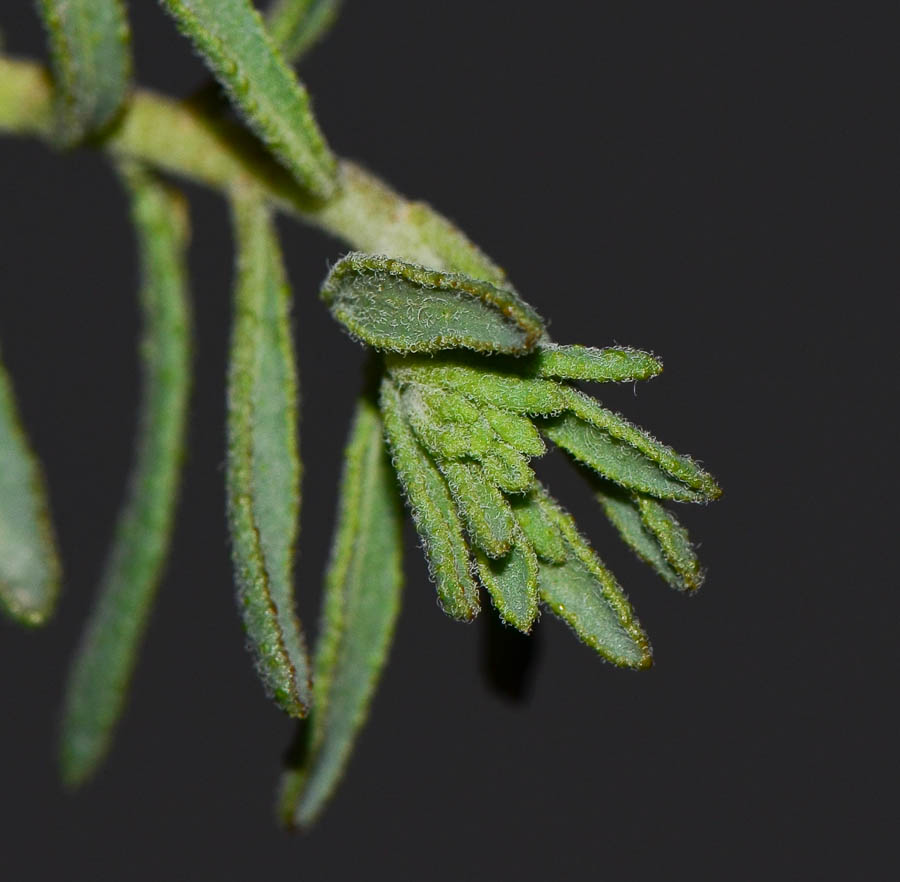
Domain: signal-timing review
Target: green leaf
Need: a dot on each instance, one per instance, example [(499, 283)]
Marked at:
[(263, 467), (680, 467), (616, 364), (621, 507), (107, 654), (517, 431), (29, 562), (512, 582), (401, 307), (483, 508), (362, 599), (433, 511), (445, 439), (296, 25), (471, 376), (507, 468), (539, 528), (585, 594), (674, 541), (614, 459), (91, 60), (231, 36)]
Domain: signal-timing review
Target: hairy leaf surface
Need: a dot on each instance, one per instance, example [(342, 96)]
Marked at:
[(433, 511), (362, 598), (231, 36), (585, 594), (481, 383), (107, 654), (263, 467), (680, 467), (615, 459), (616, 364), (401, 307), (483, 508), (539, 528), (512, 582)]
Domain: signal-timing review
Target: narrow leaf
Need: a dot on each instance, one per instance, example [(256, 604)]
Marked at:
[(29, 563), (483, 508), (91, 59), (674, 541), (683, 468), (231, 36), (615, 459), (444, 439), (517, 431), (263, 467), (586, 595), (616, 364), (433, 511), (107, 654), (297, 25), (503, 389), (362, 598), (401, 307), (512, 582), (539, 528), (507, 468), (621, 507)]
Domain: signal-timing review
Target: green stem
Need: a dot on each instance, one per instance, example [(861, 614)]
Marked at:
[(185, 140)]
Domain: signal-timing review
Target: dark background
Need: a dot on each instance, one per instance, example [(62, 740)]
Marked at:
[(703, 181)]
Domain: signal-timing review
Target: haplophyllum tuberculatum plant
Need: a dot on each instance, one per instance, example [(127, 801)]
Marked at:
[(466, 388)]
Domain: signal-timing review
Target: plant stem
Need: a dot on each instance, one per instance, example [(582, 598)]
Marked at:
[(189, 141)]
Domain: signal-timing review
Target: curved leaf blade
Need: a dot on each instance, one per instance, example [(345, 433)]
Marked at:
[(433, 511), (232, 38), (91, 60), (621, 508), (543, 534), (680, 467), (585, 594), (402, 307), (614, 459), (512, 582), (263, 465), (29, 561), (362, 599), (483, 508), (673, 541), (107, 654)]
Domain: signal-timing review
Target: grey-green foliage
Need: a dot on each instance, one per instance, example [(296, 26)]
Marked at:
[(296, 25), (433, 511), (91, 57), (231, 36), (401, 307), (618, 364), (107, 653), (29, 563), (263, 465), (478, 421), (653, 533), (362, 598), (585, 594), (470, 385)]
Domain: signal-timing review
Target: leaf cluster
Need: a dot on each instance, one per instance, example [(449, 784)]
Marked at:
[(466, 390)]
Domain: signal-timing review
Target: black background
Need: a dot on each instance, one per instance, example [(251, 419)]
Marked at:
[(700, 180)]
